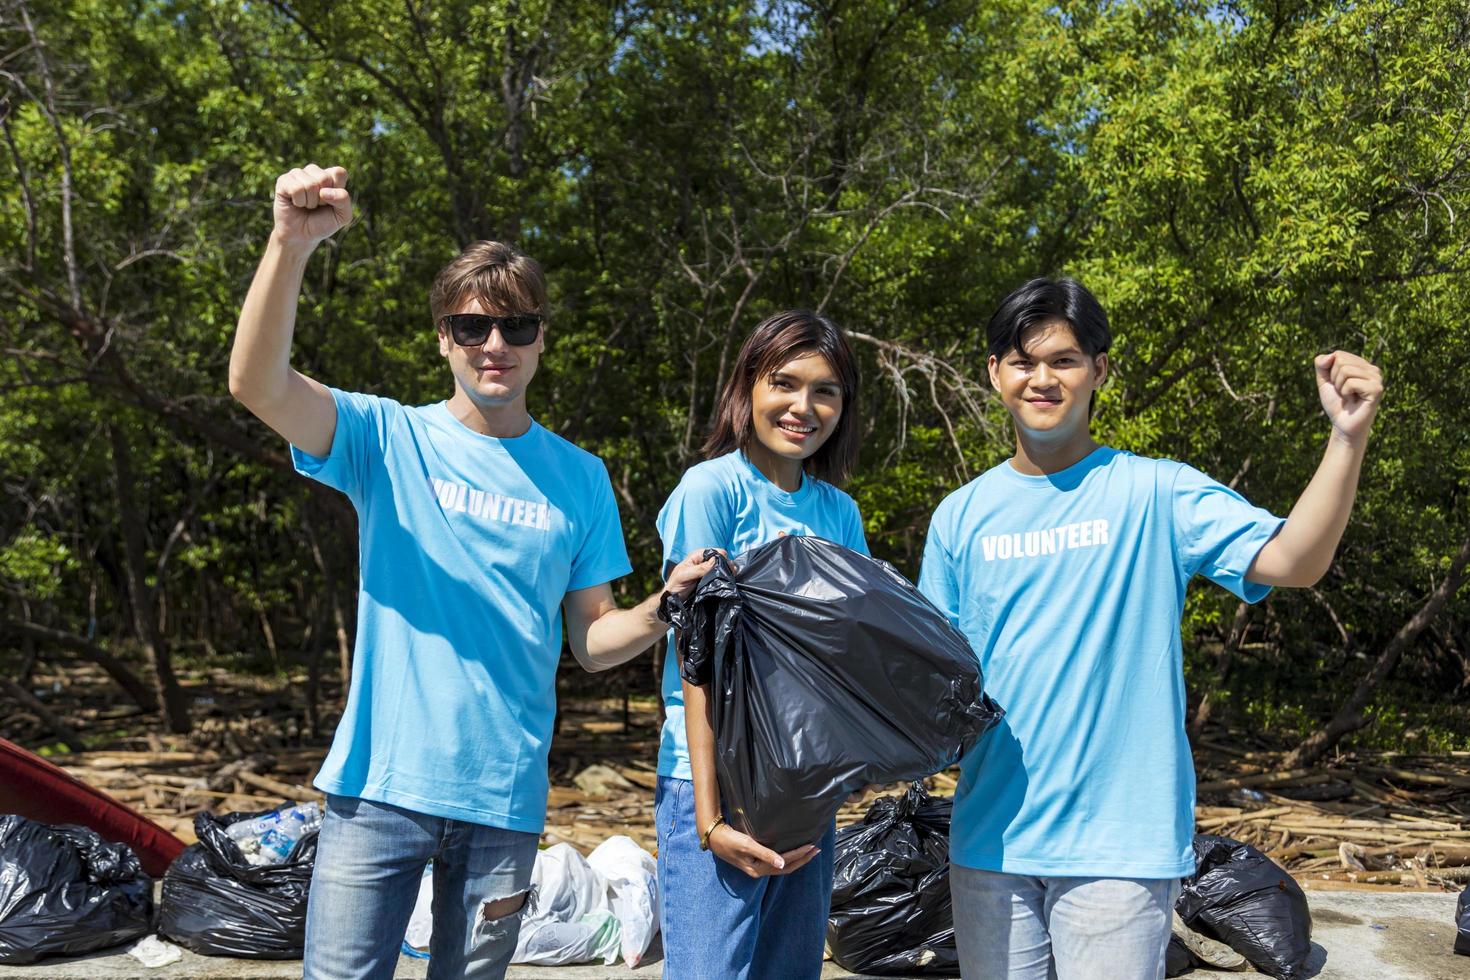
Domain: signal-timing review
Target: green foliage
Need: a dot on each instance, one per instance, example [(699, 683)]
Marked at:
[(1242, 184)]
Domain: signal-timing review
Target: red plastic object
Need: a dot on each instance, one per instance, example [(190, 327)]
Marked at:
[(34, 788)]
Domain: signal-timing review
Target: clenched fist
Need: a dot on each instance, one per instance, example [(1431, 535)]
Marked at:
[(1351, 389), (311, 204)]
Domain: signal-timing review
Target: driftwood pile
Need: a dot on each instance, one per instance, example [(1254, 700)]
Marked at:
[(1369, 819), (1361, 820)]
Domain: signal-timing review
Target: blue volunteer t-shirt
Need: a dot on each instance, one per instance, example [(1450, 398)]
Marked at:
[(727, 503), (468, 545), (1070, 587)]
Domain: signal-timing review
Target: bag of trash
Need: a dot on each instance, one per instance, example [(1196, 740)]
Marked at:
[(64, 890), (582, 910), (1247, 901), (218, 904), (421, 920), (829, 671), (632, 879), (1177, 959), (571, 919), (1462, 923), (891, 911)]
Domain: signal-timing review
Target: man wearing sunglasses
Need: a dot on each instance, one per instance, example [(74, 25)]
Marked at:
[(478, 529)]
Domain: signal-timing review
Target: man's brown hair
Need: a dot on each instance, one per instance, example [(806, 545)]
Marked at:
[(503, 279)]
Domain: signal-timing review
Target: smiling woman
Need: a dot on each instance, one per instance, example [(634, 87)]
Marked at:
[(785, 431), (793, 412), (791, 402)]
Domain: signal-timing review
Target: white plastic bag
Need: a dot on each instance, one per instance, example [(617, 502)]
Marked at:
[(421, 922), (572, 919), (632, 875), (583, 910)]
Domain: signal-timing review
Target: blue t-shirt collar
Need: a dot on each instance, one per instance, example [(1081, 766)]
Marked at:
[(441, 412), (1067, 479)]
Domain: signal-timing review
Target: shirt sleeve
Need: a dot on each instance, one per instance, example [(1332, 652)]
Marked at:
[(1218, 533), (359, 443), (603, 555), (937, 580), (853, 536), (698, 514)]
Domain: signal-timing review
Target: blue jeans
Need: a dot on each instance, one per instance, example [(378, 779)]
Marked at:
[(1026, 928), (369, 861), (719, 923)]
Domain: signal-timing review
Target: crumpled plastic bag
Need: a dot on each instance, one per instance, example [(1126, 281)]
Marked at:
[(632, 877), (1462, 923), (64, 891), (218, 904), (580, 910), (891, 911), (154, 952), (829, 671), (571, 919), (1247, 901), (1177, 958), (421, 921)]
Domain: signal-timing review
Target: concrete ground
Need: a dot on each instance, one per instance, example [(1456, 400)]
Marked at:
[(1357, 935)]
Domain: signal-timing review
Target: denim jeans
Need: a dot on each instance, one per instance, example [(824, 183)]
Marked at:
[(719, 923), (1024, 928), (369, 860)]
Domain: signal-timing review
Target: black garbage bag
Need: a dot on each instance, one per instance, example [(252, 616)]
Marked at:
[(1462, 923), (218, 904), (891, 911), (828, 672), (1178, 960), (1247, 901), (64, 890)]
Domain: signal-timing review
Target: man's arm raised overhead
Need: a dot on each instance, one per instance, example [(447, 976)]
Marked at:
[(1301, 552), (311, 203)]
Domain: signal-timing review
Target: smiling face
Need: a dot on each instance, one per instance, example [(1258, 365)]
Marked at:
[(1048, 386), (794, 410), (495, 374)]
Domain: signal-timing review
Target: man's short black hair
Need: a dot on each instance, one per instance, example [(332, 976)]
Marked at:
[(1041, 301)]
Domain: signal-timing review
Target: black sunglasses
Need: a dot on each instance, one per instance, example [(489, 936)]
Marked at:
[(473, 329)]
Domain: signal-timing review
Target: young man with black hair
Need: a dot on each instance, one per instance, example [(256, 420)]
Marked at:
[(1066, 566), (478, 529)]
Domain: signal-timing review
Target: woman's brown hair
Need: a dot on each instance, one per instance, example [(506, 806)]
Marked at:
[(775, 341)]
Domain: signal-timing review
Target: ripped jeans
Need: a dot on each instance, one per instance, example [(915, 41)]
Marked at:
[(369, 860)]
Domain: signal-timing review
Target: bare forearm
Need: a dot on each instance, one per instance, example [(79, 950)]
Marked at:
[(1302, 551), (701, 740), (620, 635), (260, 361)]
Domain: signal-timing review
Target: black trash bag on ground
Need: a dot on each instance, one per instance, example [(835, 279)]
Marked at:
[(1177, 958), (218, 904), (891, 911), (1247, 901), (828, 672), (64, 890), (1462, 923)]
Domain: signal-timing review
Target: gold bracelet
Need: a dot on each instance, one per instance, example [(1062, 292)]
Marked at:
[(704, 837)]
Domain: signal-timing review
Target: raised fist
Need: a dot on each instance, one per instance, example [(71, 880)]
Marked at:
[(311, 204), (1351, 389)]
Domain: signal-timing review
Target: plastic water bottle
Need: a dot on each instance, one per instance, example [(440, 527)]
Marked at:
[(270, 837)]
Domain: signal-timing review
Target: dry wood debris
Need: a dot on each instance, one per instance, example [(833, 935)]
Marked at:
[(1370, 819)]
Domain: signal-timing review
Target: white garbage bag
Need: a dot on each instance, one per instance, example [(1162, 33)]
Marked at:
[(421, 922), (571, 919), (582, 910), (632, 875)]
